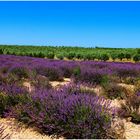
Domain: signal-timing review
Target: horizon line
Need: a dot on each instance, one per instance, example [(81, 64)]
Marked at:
[(96, 47)]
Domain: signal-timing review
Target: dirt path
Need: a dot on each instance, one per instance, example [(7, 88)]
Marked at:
[(20, 131), (17, 130), (58, 84), (132, 131)]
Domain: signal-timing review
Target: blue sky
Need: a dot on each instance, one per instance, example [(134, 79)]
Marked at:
[(87, 24)]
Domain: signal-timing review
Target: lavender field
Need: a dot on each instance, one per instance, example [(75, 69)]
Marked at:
[(93, 104)]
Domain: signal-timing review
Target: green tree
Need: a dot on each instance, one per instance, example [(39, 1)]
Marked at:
[(1, 51), (41, 55), (50, 55), (60, 56), (113, 56), (136, 58), (121, 56), (128, 56), (104, 57), (138, 51), (71, 55)]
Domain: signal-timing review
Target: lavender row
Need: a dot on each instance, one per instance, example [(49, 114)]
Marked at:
[(63, 112), (84, 71)]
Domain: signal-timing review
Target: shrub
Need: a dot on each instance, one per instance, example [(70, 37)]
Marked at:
[(67, 70), (9, 79), (97, 56), (70, 115), (131, 108), (137, 85), (7, 52), (33, 54), (136, 58), (114, 56), (76, 72), (121, 56), (1, 51), (41, 82), (13, 53), (128, 56), (138, 51), (51, 73), (113, 91), (93, 56), (70, 55), (91, 76), (41, 55), (105, 80), (3, 103), (130, 80), (60, 56), (11, 95), (88, 57), (126, 71), (50, 55), (4, 70), (104, 57), (79, 56), (80, 88), (138, 93), (20, 72)]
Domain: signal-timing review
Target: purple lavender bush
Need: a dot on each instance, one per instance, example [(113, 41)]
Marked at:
[(113, 91), (64, 113), (51, 73), (20, 71), (90, 71), (138, 93), (70, 111), (11, 95)]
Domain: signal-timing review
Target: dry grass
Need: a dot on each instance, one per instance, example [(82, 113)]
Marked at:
[(18, 130), (132, 131), (57, 84)]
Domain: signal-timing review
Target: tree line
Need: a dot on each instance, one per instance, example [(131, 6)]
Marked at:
[(62, 52)]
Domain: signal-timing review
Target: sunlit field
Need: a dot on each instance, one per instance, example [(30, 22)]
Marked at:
[(69, 69), (71, 98)]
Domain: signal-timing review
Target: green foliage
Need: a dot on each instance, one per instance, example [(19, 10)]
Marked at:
[(104, 57), (7, 101), (77, 71), (114, 56), (69, 52), (70, 55), (3, 103), (131, 108), (138, 51), (50, 55), (41, 55), (21, 72), (41, 82), (121, 56), (1, 51), (113, 91), (128, 56), (136, 58), (104, 81), (79, 56), (60, 56)]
